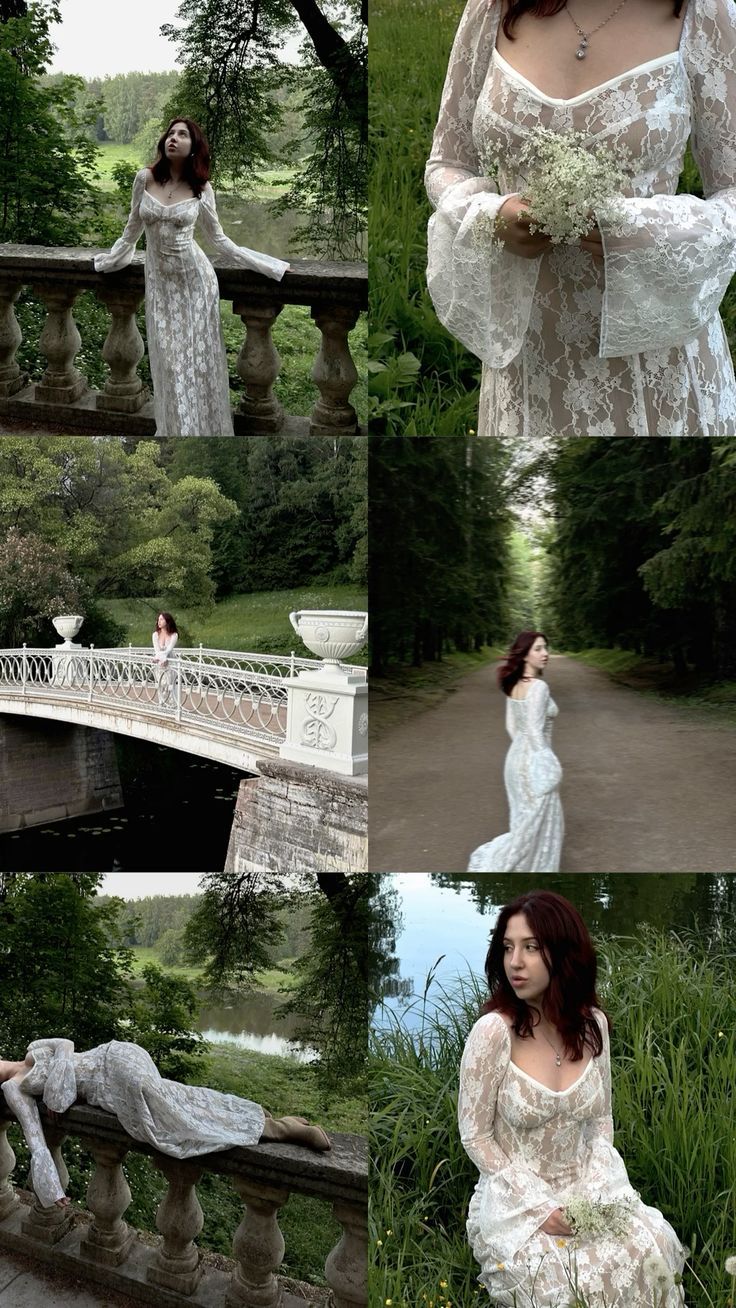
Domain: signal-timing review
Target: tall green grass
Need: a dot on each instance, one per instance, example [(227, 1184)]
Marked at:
[(672, 1004), (423, 383)]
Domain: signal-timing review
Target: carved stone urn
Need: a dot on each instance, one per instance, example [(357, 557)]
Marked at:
[(67, 625), (333, 634)]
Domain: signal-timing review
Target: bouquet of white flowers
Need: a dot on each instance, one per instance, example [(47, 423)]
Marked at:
[(594, 1217), (566, 179)]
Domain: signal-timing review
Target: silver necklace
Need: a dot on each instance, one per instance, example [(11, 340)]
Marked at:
[(582, 49), (172, 187), (558, 1060)]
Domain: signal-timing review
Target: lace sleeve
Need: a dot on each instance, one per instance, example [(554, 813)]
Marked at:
[(481, 293), (239, 255), (44, 1176), (604, 1172), (680, 248), (545, 772), (515, 1201), (123, 250)]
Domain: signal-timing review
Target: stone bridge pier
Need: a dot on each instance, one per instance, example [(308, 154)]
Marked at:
[(53, 770)]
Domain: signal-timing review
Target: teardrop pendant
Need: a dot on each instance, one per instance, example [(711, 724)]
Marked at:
[(557, 1060), (581, 53)]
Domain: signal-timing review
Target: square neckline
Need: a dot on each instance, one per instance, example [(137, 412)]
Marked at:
[(540, 1084), (161, 204)]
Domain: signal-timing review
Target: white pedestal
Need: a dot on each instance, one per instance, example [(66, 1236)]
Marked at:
[(66, 665), (327, 720)]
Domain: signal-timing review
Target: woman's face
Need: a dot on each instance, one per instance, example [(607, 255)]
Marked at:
[(178, 144), (537, 656), (161, 622), (524, 965)]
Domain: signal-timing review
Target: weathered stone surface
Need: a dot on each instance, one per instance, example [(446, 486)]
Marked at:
[(51, 770), (298, 819)]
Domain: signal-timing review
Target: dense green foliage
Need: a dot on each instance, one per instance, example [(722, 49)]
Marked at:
[(673, 1010), (643, 554), (47, 194), (441, 562), (424, 383)]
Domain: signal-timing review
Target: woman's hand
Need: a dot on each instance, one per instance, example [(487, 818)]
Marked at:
[(556, 1224), (593, 243), (63, 1203), (512, 227)]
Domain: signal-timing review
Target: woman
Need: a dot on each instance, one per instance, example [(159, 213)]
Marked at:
[(532, 772), (183, 1121), (535, 1117), (164, 640), (185, 344), (618, 334)]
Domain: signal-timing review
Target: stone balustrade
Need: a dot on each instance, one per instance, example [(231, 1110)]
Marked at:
[(107, 1251), (334, 292)]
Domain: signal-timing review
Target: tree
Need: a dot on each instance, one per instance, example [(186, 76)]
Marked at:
[(35, 585), (47, 156), (164, 1014)]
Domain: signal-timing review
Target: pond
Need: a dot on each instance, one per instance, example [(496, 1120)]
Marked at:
[(441, 916), (178, 814), (252, 1022)]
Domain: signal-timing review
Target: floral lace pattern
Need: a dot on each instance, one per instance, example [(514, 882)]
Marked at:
[(535, 1148), (180, 1120), (635, 347), (185, 344), (532, 774)]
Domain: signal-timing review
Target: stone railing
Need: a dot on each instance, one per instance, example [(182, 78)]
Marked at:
[(108, 1252), (334, 292)]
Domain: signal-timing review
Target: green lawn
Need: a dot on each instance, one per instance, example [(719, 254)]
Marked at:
[(251, 623), (268, 185), (273, 979)]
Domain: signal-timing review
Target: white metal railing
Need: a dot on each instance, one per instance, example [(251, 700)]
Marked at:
[(234, 694)]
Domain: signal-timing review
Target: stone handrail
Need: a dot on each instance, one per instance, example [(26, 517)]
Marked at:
[(335, 293), (107, 1251)]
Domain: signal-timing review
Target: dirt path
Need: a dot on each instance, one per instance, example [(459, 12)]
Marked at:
[(648, 786)]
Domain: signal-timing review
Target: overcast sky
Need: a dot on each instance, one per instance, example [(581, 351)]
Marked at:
[(136, 885), (100, 37)]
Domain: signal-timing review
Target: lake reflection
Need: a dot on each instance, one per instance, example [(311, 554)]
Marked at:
[(253, 1022), (452, 915)]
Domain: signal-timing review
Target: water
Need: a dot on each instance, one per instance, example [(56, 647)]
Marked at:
[(452, 916), (253, 1023), (177, 818)]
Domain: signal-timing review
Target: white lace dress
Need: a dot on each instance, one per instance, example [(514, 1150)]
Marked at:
[(535, 1149), (532, 774), (185, 343), (635, 347), (181, 1120)]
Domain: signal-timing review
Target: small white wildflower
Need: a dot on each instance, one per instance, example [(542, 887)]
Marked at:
[(593, 1217), (657, 1273), (731, 1266)]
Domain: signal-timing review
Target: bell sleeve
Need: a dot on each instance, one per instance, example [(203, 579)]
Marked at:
[(44, 1176), (238, 255), (481, 292), (604, 1172), (60, 1088), (123, 250), (668, 266), (545, 773), (514, 1201)]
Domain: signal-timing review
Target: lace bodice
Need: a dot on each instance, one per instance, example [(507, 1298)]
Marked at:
[(534, 1149), (666, 267), (533, 715)]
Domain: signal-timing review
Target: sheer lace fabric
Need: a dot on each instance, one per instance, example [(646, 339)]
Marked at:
[(635, 347), (532, 774), (185, 344), (535, 1149), (181, 1120)]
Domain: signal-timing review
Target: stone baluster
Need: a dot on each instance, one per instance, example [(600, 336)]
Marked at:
[(8, 1198), (109, 1238), (258, 1247), (11, 377), (60, 343), (346, 1269), (50, 1224), (176, 1264), (258, 366), (123, 350), (334, 373)]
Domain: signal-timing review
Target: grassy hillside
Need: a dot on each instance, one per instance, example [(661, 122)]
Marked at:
[(252, 623), (273, 979)]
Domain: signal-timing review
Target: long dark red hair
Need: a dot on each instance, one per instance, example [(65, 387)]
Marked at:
[(569, 957), (544, 9), (196, 167), (512, 668)]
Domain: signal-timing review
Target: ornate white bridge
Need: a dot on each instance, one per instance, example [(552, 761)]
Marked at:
[(218, 704)]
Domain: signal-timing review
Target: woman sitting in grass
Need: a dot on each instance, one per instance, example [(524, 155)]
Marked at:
[(553, 1220)]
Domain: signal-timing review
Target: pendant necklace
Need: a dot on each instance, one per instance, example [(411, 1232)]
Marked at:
[(558, 1060), (582, 49)]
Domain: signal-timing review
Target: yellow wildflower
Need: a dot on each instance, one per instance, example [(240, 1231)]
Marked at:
[(562, 1244), (501, 1267)]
